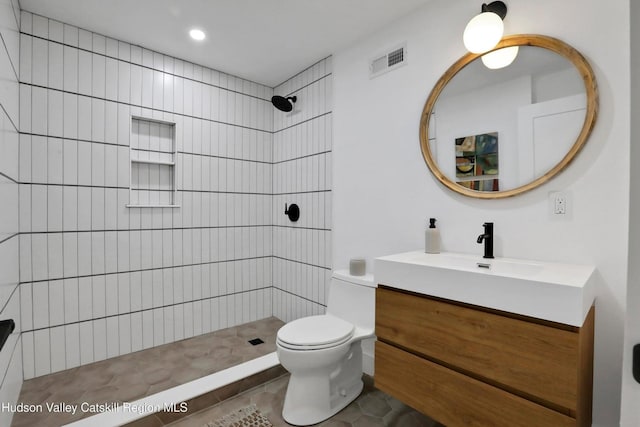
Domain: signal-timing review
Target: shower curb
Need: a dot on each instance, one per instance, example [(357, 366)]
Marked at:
[(211, 398), (179, 402)]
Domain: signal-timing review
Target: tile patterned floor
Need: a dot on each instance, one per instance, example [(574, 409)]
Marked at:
[(372, 408), (136, 375)]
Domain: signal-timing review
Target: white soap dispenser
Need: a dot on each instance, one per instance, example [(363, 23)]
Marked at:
[(432, 238)]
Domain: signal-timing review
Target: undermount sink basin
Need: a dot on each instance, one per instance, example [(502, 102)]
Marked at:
[(550, 291)]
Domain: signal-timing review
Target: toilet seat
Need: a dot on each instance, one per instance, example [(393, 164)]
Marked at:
[(315, 333)]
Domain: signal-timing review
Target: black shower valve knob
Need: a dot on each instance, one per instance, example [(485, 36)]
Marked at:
[(292, 211)]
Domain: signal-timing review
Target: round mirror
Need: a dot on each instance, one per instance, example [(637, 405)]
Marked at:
[(491, 131)]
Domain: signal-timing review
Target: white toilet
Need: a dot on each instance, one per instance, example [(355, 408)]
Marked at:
[(323, 353)]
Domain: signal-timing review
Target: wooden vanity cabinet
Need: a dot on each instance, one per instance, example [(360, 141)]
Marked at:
[(465, 365)]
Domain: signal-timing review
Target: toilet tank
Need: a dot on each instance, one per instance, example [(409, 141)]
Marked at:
[(353, 298)]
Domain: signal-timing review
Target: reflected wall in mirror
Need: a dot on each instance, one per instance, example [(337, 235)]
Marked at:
[(492, 133)]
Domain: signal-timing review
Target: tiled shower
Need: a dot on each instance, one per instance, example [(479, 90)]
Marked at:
[(98, 279), (302, 174), (11, 354)]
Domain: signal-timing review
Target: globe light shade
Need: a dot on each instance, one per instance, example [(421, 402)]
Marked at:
[(500, 58), (483, 32)]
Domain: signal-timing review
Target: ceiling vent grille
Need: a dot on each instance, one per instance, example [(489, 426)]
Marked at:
[(391, 60)]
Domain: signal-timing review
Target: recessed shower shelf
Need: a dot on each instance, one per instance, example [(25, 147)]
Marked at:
[(160, 190), (153, 162), (152, 152), (152, 206)]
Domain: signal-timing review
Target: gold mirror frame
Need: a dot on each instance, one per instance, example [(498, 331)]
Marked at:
[(555, 45)]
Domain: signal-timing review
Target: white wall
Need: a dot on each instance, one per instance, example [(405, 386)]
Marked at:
[(11, 353), (98, 279), (384, 193), (302, 175), (630, 415)]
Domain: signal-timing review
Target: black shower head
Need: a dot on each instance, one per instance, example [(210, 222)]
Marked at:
[(282, 103)]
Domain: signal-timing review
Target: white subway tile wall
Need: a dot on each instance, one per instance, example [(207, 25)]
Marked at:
[(302, 143), (11, 353), (99, 279)]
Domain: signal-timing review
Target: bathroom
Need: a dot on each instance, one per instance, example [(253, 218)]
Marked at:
[(98, 281)]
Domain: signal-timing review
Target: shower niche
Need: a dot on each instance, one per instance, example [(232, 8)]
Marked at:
[(152, 151)]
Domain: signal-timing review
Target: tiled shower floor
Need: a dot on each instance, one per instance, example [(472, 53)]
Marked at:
[(136, 375)]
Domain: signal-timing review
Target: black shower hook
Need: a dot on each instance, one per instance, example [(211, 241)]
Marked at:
[(293, 212)]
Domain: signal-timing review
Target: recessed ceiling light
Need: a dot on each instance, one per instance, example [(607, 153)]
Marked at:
[(197, 34)]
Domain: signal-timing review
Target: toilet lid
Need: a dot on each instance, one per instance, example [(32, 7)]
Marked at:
[(315, 331)]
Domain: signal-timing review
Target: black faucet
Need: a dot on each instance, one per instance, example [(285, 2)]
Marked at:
[(487, 236)]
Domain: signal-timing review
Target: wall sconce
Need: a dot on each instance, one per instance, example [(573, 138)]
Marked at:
[(485, 30)]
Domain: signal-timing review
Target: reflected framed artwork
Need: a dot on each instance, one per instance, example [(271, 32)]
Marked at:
[(477, 156)]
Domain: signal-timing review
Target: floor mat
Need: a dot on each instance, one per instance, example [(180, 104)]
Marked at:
[(249, 416)]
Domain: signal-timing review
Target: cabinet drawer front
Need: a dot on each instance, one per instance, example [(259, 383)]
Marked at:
[(454, 399), (536, 361)]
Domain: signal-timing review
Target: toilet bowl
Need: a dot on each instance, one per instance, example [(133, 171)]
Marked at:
[(324, 354)]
